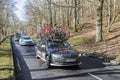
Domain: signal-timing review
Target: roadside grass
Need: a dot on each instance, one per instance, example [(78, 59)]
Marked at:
[(6, 61), (79, 41)]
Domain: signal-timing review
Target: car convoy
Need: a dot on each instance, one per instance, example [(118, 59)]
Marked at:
[(53, 47)]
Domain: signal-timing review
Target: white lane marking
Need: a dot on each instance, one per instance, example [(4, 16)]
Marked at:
[(95, 76)]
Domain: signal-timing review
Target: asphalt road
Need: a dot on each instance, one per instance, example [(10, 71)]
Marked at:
[(29, 68)]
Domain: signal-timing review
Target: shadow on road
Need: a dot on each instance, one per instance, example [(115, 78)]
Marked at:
[(91, 63), (99, 72), (63, 77), (85, 63), (105, 72)]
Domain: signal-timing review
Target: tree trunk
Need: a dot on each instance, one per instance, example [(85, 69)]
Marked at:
[(109, 15), (114, 13), (55, 12), (63, 17), (99, 21), (111, 18), (75, 16), (50, 12), (68, 13)]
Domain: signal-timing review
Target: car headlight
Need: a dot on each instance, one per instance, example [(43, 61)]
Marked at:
[(23, 42), (57, 56), (33, 42)]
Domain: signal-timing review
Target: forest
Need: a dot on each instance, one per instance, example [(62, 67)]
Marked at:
[(74, 14)]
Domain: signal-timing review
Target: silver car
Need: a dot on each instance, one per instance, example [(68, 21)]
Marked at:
[(57, 53)]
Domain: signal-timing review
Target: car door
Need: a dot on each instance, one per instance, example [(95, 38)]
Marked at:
[(38, 48), (43, 50)]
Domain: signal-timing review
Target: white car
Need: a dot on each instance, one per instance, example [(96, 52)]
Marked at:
[(26, 40)]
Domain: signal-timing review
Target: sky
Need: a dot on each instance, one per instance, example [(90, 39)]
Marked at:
[(20, 12)]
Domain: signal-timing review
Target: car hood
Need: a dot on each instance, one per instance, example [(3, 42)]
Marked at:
[(62, 51)]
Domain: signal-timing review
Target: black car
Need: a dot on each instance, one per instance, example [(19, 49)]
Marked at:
[(56, 53), (17, 36)]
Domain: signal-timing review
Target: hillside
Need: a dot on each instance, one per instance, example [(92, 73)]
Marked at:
[(85, 42)]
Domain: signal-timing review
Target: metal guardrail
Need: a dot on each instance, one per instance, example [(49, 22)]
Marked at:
[(12, 59), (16, 62)]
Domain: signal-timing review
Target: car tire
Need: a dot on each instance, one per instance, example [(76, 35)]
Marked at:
[(48, 62), (75, 66), (37, 56), (21, 45)]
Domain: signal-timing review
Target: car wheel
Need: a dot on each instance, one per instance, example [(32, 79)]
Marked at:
[(21, 45), (76, 66), (48, 61)]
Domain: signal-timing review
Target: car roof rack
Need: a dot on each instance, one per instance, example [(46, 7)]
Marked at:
[(60, 33)]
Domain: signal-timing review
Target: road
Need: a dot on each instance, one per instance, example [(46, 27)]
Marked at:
[(29, 68)]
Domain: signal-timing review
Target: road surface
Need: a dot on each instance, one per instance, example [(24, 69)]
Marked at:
[(28, 67)]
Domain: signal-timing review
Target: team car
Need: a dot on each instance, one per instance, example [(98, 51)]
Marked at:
[(56, 53), (54, 49)]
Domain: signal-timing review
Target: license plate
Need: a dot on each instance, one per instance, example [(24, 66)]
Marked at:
[(70, 60)]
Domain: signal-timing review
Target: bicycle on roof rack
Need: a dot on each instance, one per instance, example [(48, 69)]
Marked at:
[(55, 34)]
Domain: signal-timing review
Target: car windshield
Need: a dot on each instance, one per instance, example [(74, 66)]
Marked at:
[(26, 38), (58, 44)]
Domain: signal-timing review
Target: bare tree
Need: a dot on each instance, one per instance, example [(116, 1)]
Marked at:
[(109, 15), (50, 12), (73, 12), (7, 8), (99, 36), (75, 16)]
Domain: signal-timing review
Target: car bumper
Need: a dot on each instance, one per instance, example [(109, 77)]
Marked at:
[(64, 64), (27, 44)]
